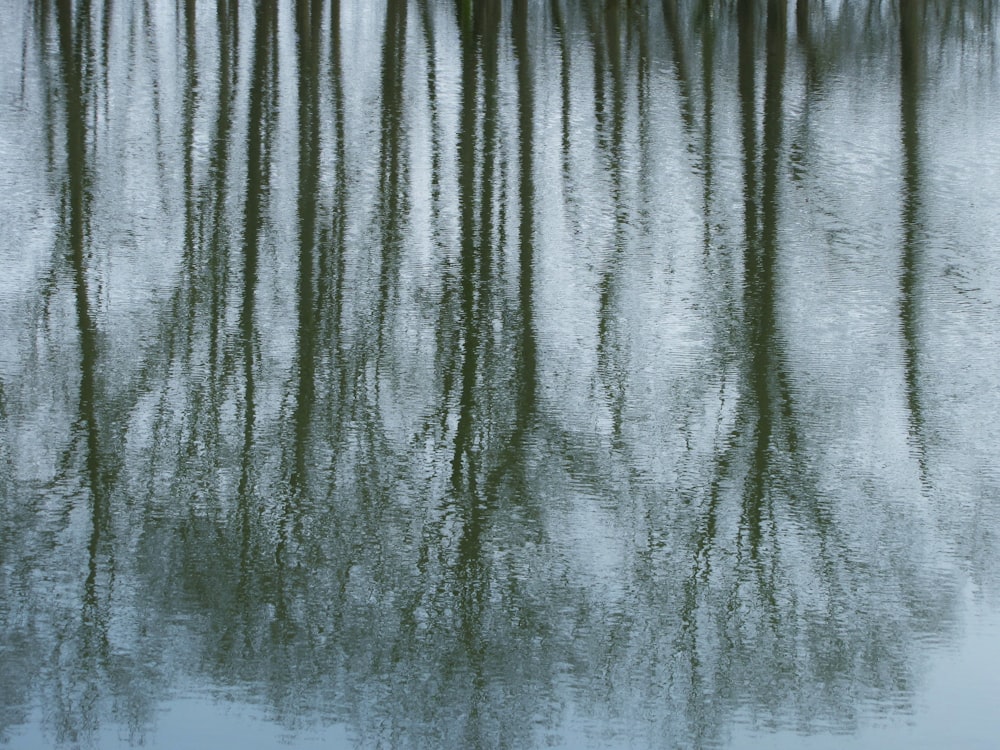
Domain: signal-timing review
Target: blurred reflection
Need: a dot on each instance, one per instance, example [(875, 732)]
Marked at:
[(909, 79), (479, 374)]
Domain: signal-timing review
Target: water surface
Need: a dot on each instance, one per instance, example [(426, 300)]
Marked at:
[(499, 374)]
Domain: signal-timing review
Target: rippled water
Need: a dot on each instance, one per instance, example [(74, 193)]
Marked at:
[(499, 374)]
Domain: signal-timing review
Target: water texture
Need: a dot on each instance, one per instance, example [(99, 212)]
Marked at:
[(489, 374)]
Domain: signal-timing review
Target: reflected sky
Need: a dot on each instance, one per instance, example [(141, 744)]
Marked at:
[(460, 374)]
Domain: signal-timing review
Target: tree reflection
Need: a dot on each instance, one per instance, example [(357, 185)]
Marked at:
[(362, 465), (910, 65)]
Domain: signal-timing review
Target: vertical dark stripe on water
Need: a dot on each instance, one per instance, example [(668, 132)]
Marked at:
[(761, 251), (774, 116), (192, 262), (767, 359), (392, 203), (39, 13), (801, 18), (105, 54), (510, 473), (462, 464), (308, 26), (258, 119), (565, 63), (804, 36), (526, 259), (71, 52), (708, 122), (334, 264), (471, 572), (746, 15), (342, 370), (148, 29), (706, 529), (610, 351), (750, 519), (910, 38), (430, 49), (488, 30), (252, 210), (680, 64), (218, 250)]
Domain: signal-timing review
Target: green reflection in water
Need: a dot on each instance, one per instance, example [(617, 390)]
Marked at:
[(492, 374)]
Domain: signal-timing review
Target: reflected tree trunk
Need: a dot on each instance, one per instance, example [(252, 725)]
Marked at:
[(565, 67), (192, 262), (76, 63), (680, 64), (219, 251), (526, 351), (772, 428), (259, 119), (393, 203), (333, 267), (472, 572), (612, 355), (308, 28), (911, 52)]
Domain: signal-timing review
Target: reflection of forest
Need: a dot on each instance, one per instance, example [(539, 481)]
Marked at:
[(441, 368)]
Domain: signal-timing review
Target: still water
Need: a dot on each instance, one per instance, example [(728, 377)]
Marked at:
[(468, 374)]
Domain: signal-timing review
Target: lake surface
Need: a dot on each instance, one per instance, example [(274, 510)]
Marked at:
[(519, 374)]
